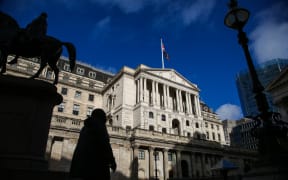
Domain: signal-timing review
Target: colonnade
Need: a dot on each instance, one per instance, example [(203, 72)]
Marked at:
[(199, 163), (165, 96)]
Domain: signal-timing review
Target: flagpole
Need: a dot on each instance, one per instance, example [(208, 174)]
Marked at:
[(162, 54)]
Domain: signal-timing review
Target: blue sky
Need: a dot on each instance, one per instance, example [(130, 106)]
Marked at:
[(110, 34)]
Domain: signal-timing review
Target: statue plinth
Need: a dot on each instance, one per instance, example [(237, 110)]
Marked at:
[(26, 107)]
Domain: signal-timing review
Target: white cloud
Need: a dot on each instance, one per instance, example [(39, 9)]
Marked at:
[(102, 27), (198, 11), (229, 111), (269, 38)]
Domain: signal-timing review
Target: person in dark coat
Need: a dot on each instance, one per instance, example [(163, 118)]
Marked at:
[(93, 155)]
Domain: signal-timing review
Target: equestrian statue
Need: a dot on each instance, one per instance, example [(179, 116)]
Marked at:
[(31, 42)]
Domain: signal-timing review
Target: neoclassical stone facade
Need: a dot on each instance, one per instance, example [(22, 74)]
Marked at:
[(157, 124)]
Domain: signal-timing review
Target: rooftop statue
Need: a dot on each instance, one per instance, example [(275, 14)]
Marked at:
[(31, 42)]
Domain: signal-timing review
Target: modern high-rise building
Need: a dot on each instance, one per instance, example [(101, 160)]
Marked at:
[(158, 127), (266, 73)]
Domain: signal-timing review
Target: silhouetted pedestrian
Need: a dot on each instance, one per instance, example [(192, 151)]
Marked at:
[(93, 155)]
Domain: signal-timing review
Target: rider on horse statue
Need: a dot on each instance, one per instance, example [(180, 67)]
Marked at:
[(37, 29)]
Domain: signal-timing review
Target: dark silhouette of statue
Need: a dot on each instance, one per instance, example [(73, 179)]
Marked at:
[(37, 29), (32, 42), (93, 155)]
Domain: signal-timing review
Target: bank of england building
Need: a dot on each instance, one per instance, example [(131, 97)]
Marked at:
[(158, 125)]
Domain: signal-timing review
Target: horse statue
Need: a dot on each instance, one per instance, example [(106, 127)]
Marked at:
[(16, 41)]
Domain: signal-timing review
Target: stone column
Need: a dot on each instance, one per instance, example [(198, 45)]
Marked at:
[(153, 92), (145, 90), (138, 90), (198, 106), (203, 165), (193, 166), (181, 101), (164, 95), (165, 164), (156, 94), (195, 105), (151, 162), (178, 100), (141, 90), (178, 164), (168, 97), (26, 107), (189, 103)]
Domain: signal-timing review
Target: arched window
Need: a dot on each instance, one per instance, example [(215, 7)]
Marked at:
[(187, 123), (151, 115), (197, 125)]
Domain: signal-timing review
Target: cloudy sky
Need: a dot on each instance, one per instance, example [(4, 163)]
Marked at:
[(110, 34)]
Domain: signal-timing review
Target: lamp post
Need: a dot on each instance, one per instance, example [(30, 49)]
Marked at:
[(273, 129)]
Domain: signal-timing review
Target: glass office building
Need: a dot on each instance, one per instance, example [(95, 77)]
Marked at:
[(266, 73)]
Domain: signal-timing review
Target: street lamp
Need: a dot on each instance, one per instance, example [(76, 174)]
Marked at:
[(272, 136)]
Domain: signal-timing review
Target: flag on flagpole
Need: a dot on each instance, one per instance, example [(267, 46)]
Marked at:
[(164, 52)]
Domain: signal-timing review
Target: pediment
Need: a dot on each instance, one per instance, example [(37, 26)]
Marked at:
[(172, 75)]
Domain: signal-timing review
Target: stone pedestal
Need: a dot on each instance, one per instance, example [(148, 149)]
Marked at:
[(26, 108)]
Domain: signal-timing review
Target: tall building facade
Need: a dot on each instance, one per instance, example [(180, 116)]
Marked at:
[(266, 73), (241, 134), (228, 126), (156, 122)]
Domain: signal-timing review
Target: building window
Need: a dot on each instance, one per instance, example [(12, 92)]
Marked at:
[(128, 128), (141, 154), (164, 130), (170, 157), (206, 124), (64, 91), (207, 135), (187, 123), (76, 109), (92, 74), (151, 115), (66, 67), (65, 77), (212, 126), (89, 111), (91, 97), (197, 125), (217, 126), (61, 107), (163, 117), (188, 134), (77, 94), (151, 128), (213, 136), (219, 137), (49, 74), (80, 71)]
